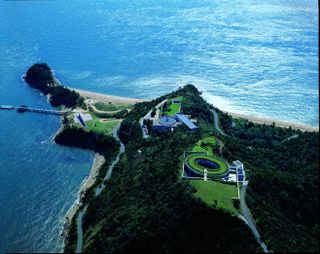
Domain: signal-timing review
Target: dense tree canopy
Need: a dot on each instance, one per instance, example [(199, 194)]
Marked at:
[(77, 137), (40, 76), (64, 96), (283, 169)]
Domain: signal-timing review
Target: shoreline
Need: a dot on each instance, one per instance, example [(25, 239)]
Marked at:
[(270, 121), (87, 183), (106, 98)]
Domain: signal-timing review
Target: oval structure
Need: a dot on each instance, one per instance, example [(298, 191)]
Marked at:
[(167, 121), (216, 167)]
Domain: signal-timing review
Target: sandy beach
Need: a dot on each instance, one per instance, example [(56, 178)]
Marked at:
[(106, 98), (98, 97), (269, 121), (88, 182)]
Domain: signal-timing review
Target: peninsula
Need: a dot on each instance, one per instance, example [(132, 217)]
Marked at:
[(183, 176)]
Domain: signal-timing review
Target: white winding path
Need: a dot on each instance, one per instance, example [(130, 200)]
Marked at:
[(246, 214), (98, 190)]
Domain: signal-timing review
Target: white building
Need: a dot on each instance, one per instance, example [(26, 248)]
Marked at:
[(236, 172)]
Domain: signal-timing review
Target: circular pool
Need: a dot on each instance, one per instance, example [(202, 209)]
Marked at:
[(209, 165), (167, 121)]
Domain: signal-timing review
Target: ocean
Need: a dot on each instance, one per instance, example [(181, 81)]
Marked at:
[(253, 57)]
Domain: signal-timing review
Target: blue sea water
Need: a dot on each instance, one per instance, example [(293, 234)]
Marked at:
[(248, 56)]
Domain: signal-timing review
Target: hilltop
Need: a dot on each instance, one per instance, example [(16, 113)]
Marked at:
[(150, 205)]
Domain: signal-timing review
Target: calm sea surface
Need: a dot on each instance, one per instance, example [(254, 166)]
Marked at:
[(253, 57)]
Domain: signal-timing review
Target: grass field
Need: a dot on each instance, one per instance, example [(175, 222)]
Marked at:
[(111, 107), (215, 193), (97, 125), (205, 145), (173, 107)]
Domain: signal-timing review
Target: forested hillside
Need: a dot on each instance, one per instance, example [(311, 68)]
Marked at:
[(148, 208), (283, 169)]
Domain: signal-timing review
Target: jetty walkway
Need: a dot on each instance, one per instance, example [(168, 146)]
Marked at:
[(23, 108)]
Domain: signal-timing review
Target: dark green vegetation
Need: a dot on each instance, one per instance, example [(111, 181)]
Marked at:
[(78, 137), (148, 208), (40, 76), (97, 142), (284, 180), (105, 145)]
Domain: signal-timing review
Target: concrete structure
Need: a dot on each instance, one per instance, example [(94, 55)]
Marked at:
[(237, 172), (165, 123), (24, 108), (205, 161), (82, 118), (185, 120)]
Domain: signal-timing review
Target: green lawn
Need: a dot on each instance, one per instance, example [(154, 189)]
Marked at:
[(104, 127), (205, 145), (211, 192), (111, 107), (210, 140), (173, 107), (199, 149)]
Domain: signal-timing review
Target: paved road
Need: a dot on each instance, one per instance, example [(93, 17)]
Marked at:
[(246, 214), (79, 229), (291, 137), (248, 217), (148, 116), (216, 122), (97, 192), (103, 111)]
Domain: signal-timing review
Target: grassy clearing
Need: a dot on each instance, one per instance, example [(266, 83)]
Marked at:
[(173, 108), (111, 107), (199, 149), (209, 140), (205, 145), (102, 127), (97, 125), (215, 193)]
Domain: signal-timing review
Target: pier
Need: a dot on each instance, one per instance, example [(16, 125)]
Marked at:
[(7, 107), (23, 108)]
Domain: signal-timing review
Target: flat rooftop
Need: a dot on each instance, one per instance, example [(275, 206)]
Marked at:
[(183, 118)]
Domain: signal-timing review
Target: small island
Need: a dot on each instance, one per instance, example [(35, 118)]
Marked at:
[(186, 177), (40, 76)]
